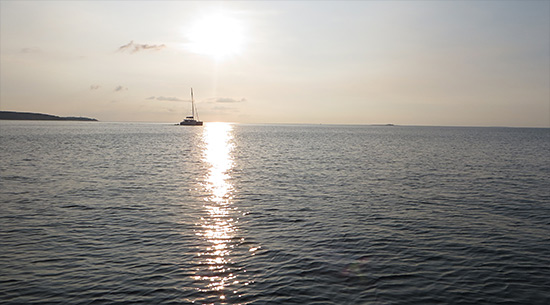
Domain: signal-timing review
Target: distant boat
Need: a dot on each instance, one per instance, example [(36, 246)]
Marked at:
[(191, 120)]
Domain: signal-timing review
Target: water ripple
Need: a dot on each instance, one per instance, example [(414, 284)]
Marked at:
[(234, 214)]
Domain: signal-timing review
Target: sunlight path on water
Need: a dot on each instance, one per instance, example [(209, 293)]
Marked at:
[(216, 270)]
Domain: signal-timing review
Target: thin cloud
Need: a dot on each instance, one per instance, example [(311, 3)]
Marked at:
[(166, 99), (136, 47), (30, 50), (229, 100), (169, 99), (120, 88)]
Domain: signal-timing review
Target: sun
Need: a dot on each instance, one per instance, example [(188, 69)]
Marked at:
[(218, 35)]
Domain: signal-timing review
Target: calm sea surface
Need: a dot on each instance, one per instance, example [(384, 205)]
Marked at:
[(107, 213)]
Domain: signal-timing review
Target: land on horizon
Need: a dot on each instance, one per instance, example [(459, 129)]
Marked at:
[(15, 115)]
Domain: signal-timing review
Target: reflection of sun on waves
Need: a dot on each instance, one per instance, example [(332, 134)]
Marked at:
[(217, 271), (217, 137)]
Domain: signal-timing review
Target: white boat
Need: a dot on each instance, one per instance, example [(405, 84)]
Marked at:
[(191, 120)]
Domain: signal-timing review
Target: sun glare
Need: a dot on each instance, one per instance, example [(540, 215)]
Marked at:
[(217, 35)]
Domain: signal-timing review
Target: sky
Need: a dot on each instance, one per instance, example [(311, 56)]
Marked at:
[(447, 63)]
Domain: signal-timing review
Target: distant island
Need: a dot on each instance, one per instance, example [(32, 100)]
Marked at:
[(13, 115)]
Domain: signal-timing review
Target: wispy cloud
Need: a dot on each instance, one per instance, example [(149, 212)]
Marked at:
[(229, 100), (94, 87), (120, 88), (30, 50), (221, 100), (170, 99), (164, 98), (136, 47)]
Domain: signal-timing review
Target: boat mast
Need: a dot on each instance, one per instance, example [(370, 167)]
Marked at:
[(192, 104)]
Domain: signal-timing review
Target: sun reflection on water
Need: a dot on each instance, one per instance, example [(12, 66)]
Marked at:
[(218, 227)]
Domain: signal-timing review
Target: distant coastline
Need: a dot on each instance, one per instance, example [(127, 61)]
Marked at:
[(14, 115)]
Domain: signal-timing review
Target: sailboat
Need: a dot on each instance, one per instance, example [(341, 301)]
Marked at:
[(190, 120)]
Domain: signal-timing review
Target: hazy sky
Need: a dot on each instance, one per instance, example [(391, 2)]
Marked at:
[(481, 63)]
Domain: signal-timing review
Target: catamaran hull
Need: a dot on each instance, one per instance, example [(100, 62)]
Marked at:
[(191, 123)]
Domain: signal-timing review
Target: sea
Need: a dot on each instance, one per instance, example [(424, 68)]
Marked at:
[(148, 213)]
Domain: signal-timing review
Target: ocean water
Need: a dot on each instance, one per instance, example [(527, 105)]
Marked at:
[(136, 213)]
